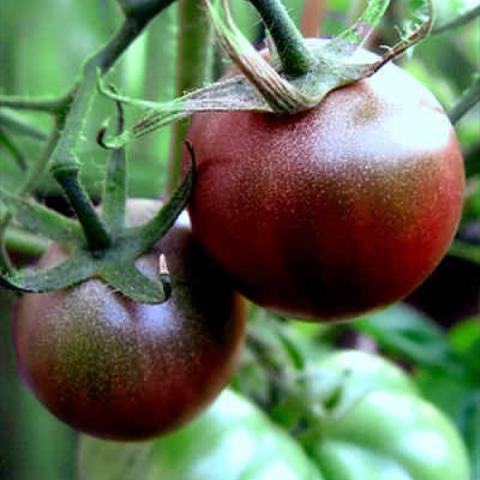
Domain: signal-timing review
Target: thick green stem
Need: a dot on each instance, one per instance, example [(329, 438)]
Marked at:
[(194, 64), (294, 55), (95, 231)]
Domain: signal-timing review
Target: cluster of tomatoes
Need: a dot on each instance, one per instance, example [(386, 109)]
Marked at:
[(322, 215)]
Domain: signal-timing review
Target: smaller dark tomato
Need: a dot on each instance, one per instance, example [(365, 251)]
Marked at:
[(121, 370)]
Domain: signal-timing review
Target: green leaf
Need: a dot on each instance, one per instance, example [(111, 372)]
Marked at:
[(465, 334), (408, 333), (42, 220)]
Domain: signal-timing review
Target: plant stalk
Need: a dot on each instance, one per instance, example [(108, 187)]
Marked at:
[(95, 231), (64, 164), (295, 58), (194, 65), (467, 102), (458, 22), (9, 143), (20, 127)]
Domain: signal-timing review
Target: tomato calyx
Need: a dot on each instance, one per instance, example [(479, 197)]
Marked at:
[(268, 86), (116, 263)]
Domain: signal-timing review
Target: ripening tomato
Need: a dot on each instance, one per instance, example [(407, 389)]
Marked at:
[(333, 212), (118, 369)]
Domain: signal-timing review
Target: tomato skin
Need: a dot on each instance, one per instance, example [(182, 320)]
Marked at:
[(117, 369), (333, 212)]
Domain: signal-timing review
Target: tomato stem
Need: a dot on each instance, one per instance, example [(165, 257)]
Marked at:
[(143, 9), (21, 127), (467, 102), (459, 21), (294, 55), (31, 179), (64, 164), (43, 105), (194, 62), (95, 231)]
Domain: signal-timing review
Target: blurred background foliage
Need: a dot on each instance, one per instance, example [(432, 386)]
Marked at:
[(43, 44)]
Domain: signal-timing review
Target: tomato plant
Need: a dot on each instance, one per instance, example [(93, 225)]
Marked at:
[(125, 370), (333, 212), (330, 185)]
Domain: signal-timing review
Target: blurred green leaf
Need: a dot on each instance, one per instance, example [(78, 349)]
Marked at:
[(410, 334)]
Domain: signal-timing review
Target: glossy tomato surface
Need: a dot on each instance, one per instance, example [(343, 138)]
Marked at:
[(118, 369), (333, 212)]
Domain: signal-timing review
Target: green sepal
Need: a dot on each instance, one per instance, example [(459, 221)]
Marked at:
[(116, 265), (149, 233), (261, 88), (75, 269), (127, 279), (41, 220)]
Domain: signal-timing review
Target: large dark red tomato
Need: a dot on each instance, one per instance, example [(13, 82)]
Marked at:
[(117, 369), (334, 212)]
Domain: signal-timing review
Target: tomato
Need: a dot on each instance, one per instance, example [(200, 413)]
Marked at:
[(334, 212), (233, 440), (378, 428), (117, 369)]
